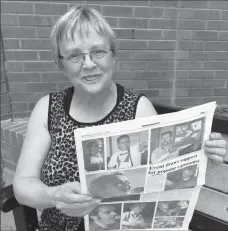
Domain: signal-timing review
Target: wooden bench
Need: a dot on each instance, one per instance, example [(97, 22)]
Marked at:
[(211, 212)]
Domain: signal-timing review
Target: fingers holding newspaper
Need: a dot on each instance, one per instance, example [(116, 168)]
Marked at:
[(216, 148), (69, 200)]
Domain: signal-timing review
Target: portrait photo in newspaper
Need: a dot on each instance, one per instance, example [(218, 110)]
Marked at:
[(137, 215), (182, 178), (105, 217), (127, 150), (114, 184), (93, 152), (176, 140)]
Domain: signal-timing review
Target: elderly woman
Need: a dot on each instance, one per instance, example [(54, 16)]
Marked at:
[(47, 176)]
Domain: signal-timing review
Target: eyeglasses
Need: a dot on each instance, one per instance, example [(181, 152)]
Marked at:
[(79, 57)]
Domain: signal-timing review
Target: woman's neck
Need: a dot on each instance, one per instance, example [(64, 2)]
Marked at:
[(87, 107)]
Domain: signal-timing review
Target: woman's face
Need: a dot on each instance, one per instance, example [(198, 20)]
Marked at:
[(92, 76)]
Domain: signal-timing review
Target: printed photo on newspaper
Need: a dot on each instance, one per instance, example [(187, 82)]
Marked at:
[(147, 172)]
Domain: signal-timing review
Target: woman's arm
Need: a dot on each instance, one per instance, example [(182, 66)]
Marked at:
[(145, 108), (28, 188)]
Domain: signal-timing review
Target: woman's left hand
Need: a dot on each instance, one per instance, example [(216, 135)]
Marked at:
[(216, 148)]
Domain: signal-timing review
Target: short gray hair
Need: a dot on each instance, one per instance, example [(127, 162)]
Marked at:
[(80, 18)]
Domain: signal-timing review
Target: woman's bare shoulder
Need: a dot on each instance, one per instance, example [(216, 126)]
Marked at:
[(145, 108)]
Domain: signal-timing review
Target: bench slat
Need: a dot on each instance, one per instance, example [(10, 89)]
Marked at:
[(213, 203)]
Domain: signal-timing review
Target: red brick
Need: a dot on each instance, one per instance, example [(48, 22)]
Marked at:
[(184, 34), (160, 84), (199, 92), (170, 13), (21, 115), (18, 32), (222, 5), (4, 98), (216, 46), (164, 3), (131, 44), (3, 88), (40, 66), (38, 44), (190, 45), (199, 14), (124, 33), (5, 109), (213, 83), (216, 65), (46, 55), (182, 74), (124, 55), (165, 92), (181, 55), (132, 65), (188, 24), (31, 106), (132, 3), (108, 2), (43, 32), (147, 34), (25, 97), (112, 21), (153, 55), (169, 34), (50, 8), (188, 83), (224, 15), (164, 101), (162, 24), (7, 156), (11, 44), (181, 92), (189, 65), (53, 77), (148, 12), (208, 55), (117, 11), (193, 4), (96, 7), (5, 116), (122, 75), (189, 101), (149, 93), (9, 165), (204, 35), (40, 87), (133, 23), (35, 20), (14, 66), (217, 25), (63, 85), (221, 74), (9, 19), (19, 106), (21, 55), (160, 65), (16, 7), (161, 45), (220, 92), (133, 84), (17, 87), (201, 74), (24, 77)]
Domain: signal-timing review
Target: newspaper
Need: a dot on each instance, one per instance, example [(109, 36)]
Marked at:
[(148, 171)]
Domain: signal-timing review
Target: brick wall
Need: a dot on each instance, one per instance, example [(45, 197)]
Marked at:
[(174, 51)]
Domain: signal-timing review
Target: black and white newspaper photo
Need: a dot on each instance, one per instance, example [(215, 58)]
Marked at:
[(148, 172)]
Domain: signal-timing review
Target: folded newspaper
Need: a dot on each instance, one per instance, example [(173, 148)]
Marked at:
[(148, 171)]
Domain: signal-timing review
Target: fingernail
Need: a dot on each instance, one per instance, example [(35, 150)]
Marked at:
[(88, 198)]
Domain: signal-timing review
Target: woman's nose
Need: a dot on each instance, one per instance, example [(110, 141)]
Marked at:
[(88, 62)]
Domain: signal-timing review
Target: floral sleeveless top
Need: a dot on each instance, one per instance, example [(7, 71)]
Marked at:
[(60, 165)]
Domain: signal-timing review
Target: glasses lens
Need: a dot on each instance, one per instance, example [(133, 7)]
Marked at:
[(98, 54), (76, 58)]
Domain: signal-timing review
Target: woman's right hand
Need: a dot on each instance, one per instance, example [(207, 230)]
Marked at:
[(69, 200)]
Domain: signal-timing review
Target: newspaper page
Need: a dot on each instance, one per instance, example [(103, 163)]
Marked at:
[(148, 171)]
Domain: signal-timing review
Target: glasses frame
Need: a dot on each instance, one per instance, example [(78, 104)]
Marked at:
[(84, 54)]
